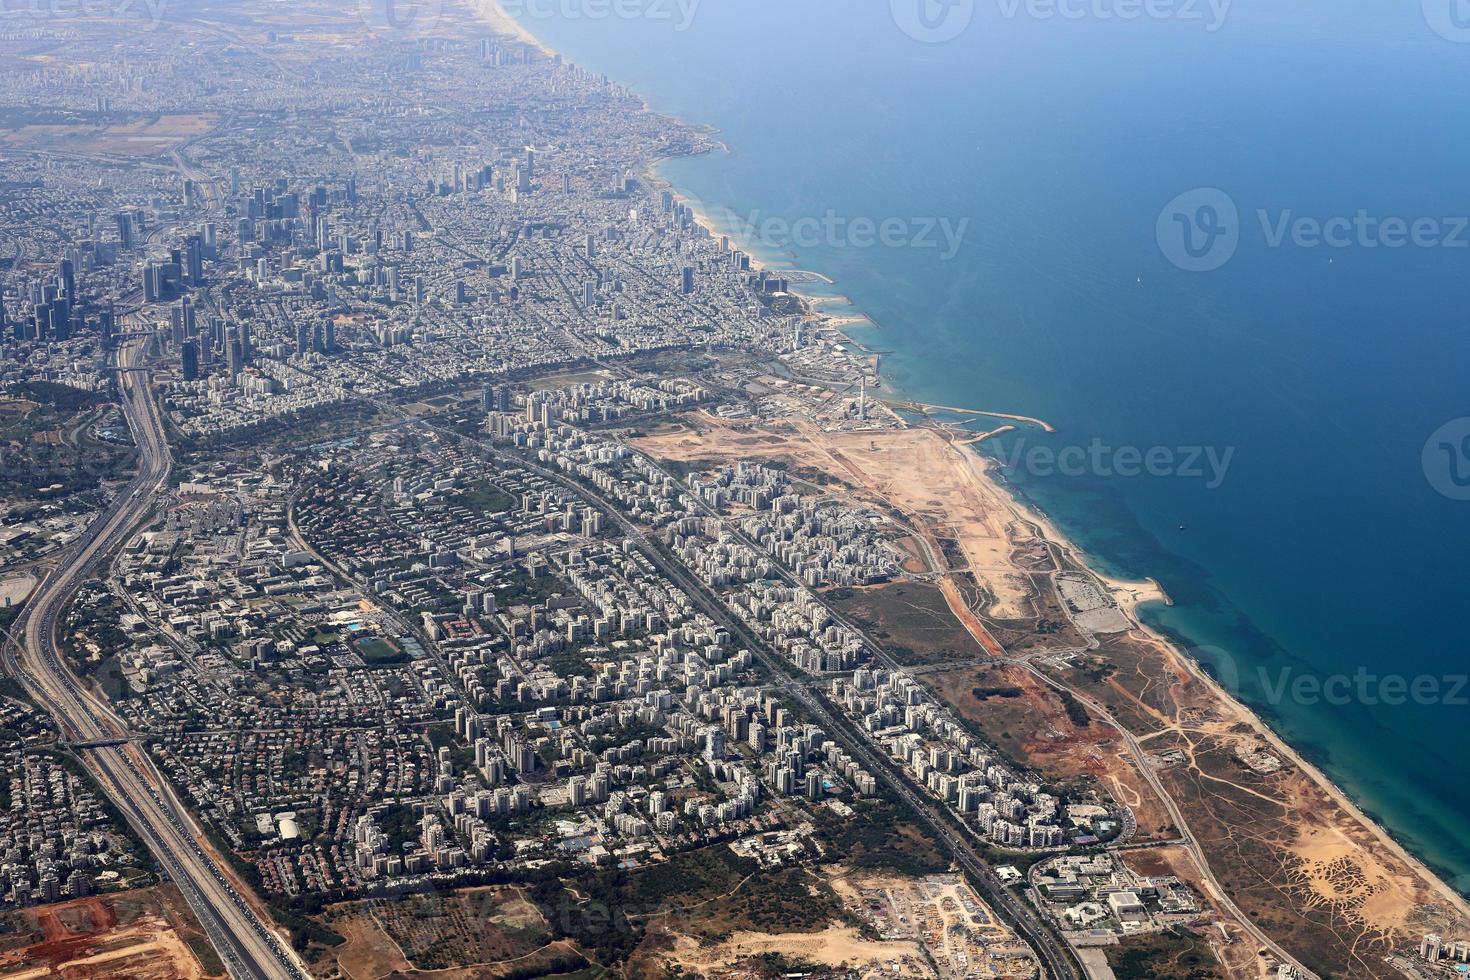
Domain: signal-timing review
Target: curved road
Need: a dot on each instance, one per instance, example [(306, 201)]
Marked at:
[(239, 931), (1176, 814), (1056, 958), (1140, 756)]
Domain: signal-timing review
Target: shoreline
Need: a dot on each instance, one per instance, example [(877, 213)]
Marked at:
[(1130, 595), (501, 22)]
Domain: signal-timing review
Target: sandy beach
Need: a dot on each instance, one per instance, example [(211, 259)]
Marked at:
[(501, 22), (965, 521), (717, 221), (914, 471), (1127, 594)]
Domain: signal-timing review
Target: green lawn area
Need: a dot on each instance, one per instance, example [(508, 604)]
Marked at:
[(378, 652), (485, 497)]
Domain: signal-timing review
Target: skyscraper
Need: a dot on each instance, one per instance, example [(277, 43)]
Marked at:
[(176, 319), (189, 360), (66, 279), (60, 320), (237, 359), (193, 256)]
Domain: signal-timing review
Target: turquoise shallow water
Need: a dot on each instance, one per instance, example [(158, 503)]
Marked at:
[(1324, 552)]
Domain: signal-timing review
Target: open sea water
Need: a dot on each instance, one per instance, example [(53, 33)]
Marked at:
[(1222, 249)]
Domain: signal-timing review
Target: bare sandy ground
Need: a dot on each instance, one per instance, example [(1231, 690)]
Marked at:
[(945, 490), (369, 953), (1333, 853), (929, 926), (83, 940), (834, 946), (1346, 859)]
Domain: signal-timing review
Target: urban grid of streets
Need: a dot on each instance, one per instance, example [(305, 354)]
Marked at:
[(244, 940), (385, 313)]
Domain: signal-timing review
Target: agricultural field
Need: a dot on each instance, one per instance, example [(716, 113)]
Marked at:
[(481, 932)]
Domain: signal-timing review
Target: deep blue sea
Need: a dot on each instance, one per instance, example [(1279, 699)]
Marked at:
[(1320, 369)]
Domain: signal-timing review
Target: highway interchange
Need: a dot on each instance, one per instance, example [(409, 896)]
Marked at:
[(240, 932), (238, 929)]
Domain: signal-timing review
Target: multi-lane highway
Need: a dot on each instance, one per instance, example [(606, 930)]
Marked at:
[(1054, 955), (239, 930), (1140, 756), (1056, 958)]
